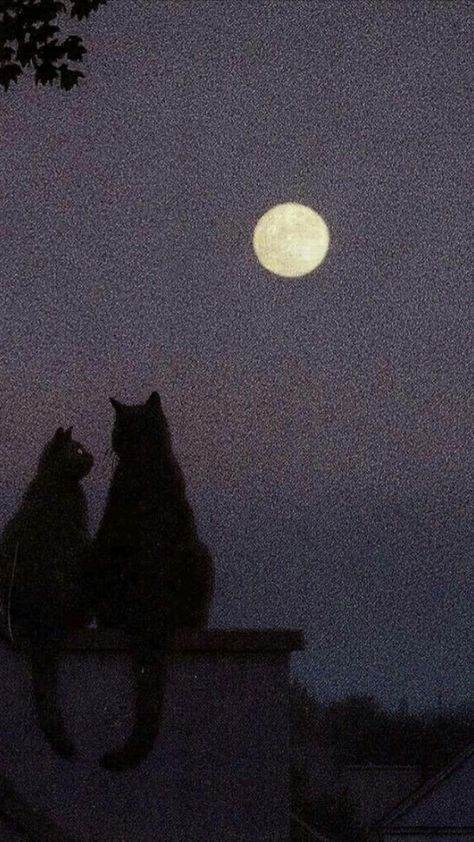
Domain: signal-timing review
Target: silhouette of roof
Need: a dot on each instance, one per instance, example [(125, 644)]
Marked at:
[(24, 821), (187, 640), (445, 801), (376, 789)]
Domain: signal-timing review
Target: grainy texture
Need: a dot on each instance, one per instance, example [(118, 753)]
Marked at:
[(218, 773), (147, 572), (40, 555), (322, 424)]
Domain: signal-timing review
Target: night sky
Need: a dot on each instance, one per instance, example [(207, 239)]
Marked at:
[(322, 422)]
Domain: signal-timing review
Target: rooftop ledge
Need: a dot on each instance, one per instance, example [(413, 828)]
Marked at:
[(186, 640)]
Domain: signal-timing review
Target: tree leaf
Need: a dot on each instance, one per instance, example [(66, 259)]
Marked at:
[(46, 72), (26, 52), (82, 8), (69, 78), (29, 36), (74, 48), (6, 53), (43, 33), (52, 51), (9, 73)]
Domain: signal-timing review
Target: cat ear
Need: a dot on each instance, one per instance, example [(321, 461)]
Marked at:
[(153, 401), (116, 405), (68, 434)]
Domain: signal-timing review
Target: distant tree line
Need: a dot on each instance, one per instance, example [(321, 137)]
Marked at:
[(30, 36), (357, 730)]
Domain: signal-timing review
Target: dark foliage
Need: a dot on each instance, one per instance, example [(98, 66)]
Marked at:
[(30, 37), (40, 551), (358, 730), (148, 573)]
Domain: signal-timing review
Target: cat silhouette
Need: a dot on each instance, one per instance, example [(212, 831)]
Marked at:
[(40, 572), (147, 573)]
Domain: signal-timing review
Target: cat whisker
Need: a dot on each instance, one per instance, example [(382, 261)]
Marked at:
[(113, 462), (108, 452)]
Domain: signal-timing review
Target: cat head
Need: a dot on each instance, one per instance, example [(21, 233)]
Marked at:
[(65, 457), (139, 429)]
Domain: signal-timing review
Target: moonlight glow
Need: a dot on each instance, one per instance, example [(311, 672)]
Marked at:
[(291, 240)]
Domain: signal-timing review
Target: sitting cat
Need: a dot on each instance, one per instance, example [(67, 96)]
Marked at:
[(148, 573), (40, 571)]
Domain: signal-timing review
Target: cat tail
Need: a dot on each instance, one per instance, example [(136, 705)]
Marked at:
[(7, 570), (150, 663), (45, 672)]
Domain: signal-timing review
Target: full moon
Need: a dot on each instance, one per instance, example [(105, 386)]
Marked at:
[(291, 240)]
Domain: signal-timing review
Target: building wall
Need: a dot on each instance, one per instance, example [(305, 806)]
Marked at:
[(442, 811), (219, 771), (449, 804)]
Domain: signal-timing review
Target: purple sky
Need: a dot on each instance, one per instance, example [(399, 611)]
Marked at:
[(322, 423)]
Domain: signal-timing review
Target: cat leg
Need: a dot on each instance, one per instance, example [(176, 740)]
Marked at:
[(150, 669), (44, 667)]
